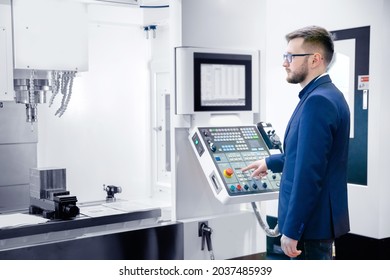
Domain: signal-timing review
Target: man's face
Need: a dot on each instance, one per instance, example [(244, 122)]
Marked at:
[(297, 70)]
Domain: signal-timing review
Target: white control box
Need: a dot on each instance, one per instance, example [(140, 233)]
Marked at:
[(50, 35)]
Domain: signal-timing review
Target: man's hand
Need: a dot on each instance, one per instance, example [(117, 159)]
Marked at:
[(289, 246), (260, 168)]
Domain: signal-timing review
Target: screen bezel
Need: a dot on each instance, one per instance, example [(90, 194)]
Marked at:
[(224, 59)]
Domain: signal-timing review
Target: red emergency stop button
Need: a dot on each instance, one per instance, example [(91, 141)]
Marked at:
[(228, 172)]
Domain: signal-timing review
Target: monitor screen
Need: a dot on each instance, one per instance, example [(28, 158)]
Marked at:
[(222, 82)]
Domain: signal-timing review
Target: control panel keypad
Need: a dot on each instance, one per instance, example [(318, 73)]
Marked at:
[(233, 148)]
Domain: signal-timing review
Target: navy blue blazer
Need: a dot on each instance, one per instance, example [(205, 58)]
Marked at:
[(313, 201)]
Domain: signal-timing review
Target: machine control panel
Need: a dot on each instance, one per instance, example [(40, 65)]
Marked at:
[(223, 152)]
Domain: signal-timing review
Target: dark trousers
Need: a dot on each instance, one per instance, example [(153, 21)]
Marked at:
[(315, 250)]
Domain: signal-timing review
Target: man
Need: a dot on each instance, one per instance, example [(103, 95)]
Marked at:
[(313, 206)]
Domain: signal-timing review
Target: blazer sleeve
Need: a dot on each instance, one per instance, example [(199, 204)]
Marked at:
[(275, 163)]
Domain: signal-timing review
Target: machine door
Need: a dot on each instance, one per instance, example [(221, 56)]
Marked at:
[(161, 144), (350, 73)]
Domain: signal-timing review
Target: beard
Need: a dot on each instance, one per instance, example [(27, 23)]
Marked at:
[(298, 76)]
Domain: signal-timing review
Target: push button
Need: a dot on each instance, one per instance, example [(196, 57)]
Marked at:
[(228, 172)]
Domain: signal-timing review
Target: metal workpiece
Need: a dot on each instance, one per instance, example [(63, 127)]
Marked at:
[(45, 181)]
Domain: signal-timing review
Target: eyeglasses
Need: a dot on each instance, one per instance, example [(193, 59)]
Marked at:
[(289, 56)]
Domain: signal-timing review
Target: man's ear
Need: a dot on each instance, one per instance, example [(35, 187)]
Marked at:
[(316, 59)]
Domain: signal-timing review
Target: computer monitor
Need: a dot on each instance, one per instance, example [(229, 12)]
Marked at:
[(222, 82), (216, 81)]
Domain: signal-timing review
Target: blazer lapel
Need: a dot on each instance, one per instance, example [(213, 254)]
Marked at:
[(315, 84)]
